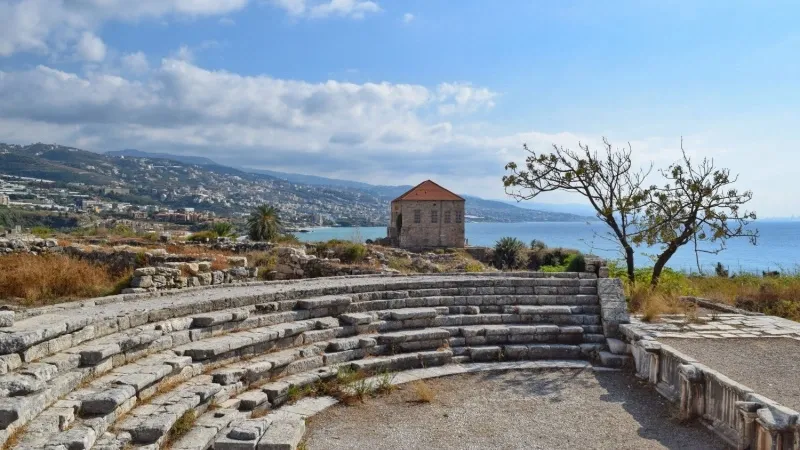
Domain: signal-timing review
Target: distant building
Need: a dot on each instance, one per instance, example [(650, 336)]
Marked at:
[(4, 200), (427, 216)]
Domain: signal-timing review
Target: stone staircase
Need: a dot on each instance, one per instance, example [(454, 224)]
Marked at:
[(127, 374)]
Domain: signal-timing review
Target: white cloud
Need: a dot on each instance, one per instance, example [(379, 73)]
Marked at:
[(184, 53), (136, 62), (227, 21), (408, 18), (90, 48), (293, 7), (45, 26), (463, 98), (354, 9), (374, 132)]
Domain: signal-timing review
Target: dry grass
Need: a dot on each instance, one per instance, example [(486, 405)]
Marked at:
[(779, 296), (182, 426), (32, 280), (14, 437), (423, 392)]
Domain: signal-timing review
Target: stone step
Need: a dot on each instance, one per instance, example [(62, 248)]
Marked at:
[(609, 359), (518, 352), (150, 423), (404, 361), (206, 428), (492, 301)]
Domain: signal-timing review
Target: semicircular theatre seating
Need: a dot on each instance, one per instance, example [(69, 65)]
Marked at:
[(78, 382)]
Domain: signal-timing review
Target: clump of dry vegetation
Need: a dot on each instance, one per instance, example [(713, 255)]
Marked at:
[(772, 295), (33, 280), (182, 426), (423, 392)]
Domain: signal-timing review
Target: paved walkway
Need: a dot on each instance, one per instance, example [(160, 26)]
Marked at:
[(769, 366), (760, 352), (529, 409), (716, 326)]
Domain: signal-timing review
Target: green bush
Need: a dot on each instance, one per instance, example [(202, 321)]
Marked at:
[(509, 253), (122, 230), (202, 236), (538, 245), (287, 238), (354, 253), (576, 263), (538, 258), (474, 266), (42, 232), (223, 229)]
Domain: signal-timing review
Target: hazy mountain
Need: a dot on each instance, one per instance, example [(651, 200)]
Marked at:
[(187, 159), (177, 180)]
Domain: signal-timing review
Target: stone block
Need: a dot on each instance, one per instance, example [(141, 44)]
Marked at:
[(142, 282), (6, 319), (107, 400), (609, 359), (285, 433), (15, 384), (617, 346)]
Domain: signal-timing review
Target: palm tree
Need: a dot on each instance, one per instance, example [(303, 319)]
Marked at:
[(223, 229), (264, 223)]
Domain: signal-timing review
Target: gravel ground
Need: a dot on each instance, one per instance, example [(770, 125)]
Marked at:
[(766, 365), (566, 409)]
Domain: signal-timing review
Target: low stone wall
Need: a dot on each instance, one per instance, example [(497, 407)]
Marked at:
[(294, 263), (745, 419), (121, 259), (181, 275), (28, 244)]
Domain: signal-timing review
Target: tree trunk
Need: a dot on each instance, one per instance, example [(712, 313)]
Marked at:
[(661, 262), (629, 263)]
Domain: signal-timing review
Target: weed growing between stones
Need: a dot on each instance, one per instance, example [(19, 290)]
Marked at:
[(182, 426), (384, 384), (348, 386), (14, 437)]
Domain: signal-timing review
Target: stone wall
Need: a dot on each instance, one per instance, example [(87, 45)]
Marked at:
[(180, 275), (28, 244), (429, 233), (294, 263)]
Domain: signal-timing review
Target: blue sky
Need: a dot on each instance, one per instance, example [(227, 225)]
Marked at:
[(392, 92)]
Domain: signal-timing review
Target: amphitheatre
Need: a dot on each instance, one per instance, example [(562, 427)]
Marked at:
[(263, 365)]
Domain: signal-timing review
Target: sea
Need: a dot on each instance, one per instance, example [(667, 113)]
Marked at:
[(777, 248)]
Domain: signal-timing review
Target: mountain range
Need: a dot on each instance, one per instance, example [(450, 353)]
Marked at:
[(179, 180), (583, 211)]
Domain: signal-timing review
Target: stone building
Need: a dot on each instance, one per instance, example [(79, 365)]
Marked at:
[(427, 216)]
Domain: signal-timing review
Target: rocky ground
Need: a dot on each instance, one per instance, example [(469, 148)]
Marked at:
[(513, 410)]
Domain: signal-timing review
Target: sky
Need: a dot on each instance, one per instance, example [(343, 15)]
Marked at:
[(398, 91)]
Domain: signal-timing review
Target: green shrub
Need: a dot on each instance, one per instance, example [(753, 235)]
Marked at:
[(122, 230), (538, 245), (474, 266), (42, 232), (575, 263), (509, 253), (354, 253), (202, 236), (223, 229), (287, 238)]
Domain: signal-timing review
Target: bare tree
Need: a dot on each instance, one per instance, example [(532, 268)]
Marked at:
[(697, 204), (608, 181)]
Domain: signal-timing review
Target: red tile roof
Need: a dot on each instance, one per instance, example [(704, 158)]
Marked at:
[(428, 191)]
